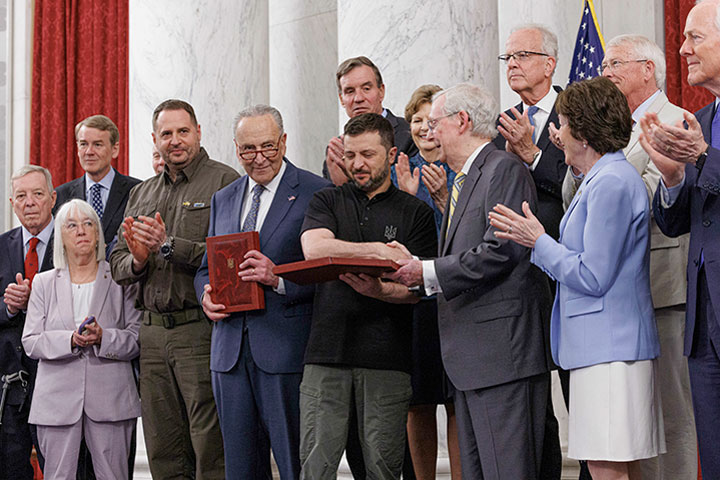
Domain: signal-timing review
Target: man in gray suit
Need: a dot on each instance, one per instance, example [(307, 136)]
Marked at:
[(637, 66), (493, 304)]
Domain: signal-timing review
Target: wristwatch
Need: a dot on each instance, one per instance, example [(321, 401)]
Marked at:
[(167, 248), (701, 159)]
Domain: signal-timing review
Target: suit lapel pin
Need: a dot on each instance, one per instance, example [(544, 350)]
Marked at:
[(291, 198)]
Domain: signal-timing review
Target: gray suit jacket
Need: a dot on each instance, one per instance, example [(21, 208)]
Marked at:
[(97, 380), (668, 256), (494, 310)]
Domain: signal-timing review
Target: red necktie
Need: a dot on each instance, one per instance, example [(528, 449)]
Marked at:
[(31, 260)]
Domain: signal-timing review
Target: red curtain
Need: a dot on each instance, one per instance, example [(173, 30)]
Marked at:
[(80, 68), (678, 90)]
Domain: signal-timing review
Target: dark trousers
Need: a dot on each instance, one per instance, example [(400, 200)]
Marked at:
[(500, 419), (258, 410), (704, 366), (16, 441)]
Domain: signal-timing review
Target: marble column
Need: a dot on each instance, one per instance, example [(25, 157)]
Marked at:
[(414, 42), (303, 60), (210, 53), (17, 75), (563, 17)]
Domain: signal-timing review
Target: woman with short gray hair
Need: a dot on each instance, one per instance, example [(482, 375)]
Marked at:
[(83, 329)]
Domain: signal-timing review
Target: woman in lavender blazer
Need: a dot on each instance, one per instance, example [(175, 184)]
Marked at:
[(85, 384)]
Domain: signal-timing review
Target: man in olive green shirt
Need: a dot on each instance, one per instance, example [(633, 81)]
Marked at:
[(161, 247)]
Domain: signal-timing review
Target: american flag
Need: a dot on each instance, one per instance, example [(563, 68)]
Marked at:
[(589, 47)]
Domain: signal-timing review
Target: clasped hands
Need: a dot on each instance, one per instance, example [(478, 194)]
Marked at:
[(518, 134), (670, 147), (143, 237), (433, 177), (92, 335)]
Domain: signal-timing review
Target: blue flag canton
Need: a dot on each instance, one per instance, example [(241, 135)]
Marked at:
[(589, 52)]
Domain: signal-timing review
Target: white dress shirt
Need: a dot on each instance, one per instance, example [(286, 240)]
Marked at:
[(266, 199), (105, 183)]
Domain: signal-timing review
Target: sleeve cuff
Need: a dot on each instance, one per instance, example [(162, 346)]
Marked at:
[(430, 280), (280, 289), (535, 162), (668, 196)]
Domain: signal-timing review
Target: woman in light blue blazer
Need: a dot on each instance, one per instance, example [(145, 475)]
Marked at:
[(603, 328)]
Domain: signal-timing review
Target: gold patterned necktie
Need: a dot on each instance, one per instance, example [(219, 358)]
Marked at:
[(457, 186)]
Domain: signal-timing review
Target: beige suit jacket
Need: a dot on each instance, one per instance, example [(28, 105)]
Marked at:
[(668, 256)]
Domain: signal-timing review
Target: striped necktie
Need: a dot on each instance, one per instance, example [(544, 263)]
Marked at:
[(457, 186)]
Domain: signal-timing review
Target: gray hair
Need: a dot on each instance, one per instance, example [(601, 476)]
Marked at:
[(61, 218), (549, 39), (477, 102), (643, 48), (30, 169), (259, 111)]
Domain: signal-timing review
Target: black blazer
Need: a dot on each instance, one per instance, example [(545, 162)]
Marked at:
[(117, 200), (548, 175), (12, 355)]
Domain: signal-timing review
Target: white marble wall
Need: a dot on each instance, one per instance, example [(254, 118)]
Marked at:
[(563, 17), (211, 53), (414, 42), (303, 59), (19, 86)]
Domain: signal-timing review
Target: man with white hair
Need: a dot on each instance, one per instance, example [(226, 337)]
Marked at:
[(530, 56), (27, 250), (687, 201), (493, 305), (637, 66)]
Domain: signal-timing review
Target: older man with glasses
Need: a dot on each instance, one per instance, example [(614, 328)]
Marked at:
[(531, 56), (256, 357)]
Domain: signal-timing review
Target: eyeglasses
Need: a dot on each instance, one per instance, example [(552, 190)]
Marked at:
[(432, 123), (73, 226), (615, 64), (520, 56), (268, 152)]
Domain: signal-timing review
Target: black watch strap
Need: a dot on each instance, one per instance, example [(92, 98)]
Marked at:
[(700, 162)]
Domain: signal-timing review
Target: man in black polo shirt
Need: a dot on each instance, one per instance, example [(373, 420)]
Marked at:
[(360, 339)]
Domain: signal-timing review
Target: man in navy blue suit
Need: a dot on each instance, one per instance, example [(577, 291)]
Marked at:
[(27, 250), (687, 201), (107, 190), (257, 357)]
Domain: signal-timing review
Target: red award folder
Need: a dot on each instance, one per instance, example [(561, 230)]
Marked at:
[(225, 253), (326, 269)]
